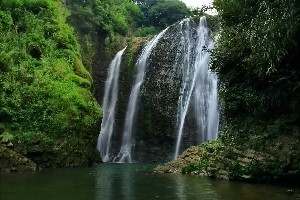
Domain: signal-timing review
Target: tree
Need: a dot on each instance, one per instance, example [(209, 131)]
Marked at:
[(163, 12), (116, 15), (256, 59)]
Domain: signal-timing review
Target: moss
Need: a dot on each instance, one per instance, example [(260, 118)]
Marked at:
[(134, 47), (220, 160), (81, 71), (45, 97)]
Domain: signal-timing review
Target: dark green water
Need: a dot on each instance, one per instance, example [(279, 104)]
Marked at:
[(130, 182)]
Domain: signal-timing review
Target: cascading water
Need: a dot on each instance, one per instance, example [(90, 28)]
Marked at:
[(126, 148), (199, 84), (189, 47), (109, 106)]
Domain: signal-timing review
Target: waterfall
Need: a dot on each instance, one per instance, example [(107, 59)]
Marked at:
[(109, 107), (198, 89), (199, 84), (126, 147)]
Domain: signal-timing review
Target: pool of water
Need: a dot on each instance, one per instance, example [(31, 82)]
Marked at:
[(131, 182)]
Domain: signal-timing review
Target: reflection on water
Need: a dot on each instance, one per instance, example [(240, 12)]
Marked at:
[(130, 182), (117, 182), (207, 191), (193, 188), (180, 187)]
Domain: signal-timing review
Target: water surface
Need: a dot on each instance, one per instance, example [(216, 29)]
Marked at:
[(130, 182)]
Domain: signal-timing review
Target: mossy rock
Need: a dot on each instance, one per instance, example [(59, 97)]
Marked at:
[(11, 161), (219, 160)]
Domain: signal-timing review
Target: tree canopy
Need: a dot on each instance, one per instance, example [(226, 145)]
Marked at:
[(256, 59), (163, 12)]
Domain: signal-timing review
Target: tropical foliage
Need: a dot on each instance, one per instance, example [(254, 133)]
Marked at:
[(256, 59), (45, 89)]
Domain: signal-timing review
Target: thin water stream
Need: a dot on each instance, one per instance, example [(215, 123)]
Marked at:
[(109, 107), (198, 91), (124, 155), (199, 85)]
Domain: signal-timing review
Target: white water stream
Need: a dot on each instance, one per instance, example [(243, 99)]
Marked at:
[(198, 92), (199, 84), (124, 155), (109, 107)]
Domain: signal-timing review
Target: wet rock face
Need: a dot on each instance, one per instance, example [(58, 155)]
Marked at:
[(155, 126), (163, 79), (159, 98), (126, 79)]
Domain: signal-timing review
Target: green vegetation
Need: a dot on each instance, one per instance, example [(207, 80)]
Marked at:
[(49, 115), (162, 13), (102, 27), (126, 17), (46, 104), (256, 59), (116, 15), (279, 161), (111, 16)]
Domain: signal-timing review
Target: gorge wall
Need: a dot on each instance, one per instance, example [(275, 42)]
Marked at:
[(155, 126)]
